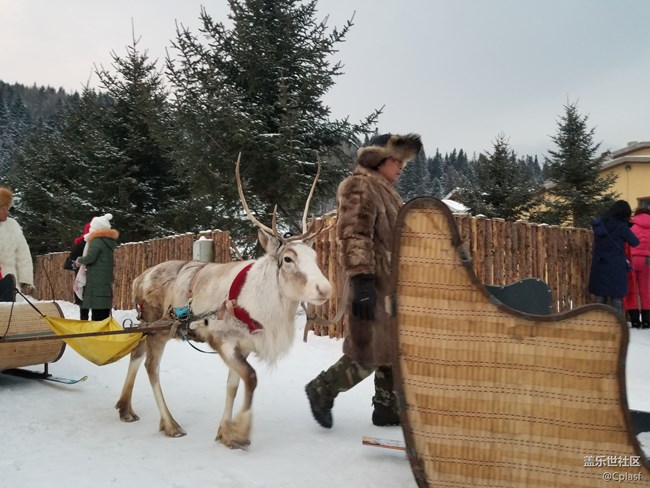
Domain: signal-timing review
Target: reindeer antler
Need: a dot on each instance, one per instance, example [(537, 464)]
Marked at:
[(307, 233), (311, 193), (247, 210)]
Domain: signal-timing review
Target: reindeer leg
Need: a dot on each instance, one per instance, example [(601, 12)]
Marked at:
[(231, 392), (155, 348), (123, 405), (236, 433)]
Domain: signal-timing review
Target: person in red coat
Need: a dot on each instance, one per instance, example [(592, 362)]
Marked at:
[(637, 301)]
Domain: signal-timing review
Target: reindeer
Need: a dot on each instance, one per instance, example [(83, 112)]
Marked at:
[(237, 308)]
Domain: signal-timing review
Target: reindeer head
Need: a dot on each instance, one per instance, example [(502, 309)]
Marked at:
[(299, 276)]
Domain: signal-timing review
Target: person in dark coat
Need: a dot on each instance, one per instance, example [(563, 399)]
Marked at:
[(367, 207), (76, 252), (101, 241), (609, 264)]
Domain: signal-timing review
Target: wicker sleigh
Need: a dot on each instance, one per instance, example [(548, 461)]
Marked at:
[(20, 319), (492, 397)]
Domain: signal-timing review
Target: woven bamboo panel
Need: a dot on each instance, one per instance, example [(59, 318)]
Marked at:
[(498, 398), (21, 319)]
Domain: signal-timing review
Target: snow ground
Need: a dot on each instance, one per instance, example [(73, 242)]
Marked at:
[(57, 436)]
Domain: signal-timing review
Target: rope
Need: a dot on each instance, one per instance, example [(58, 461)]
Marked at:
[(313, 318), (11, 312), (30, 303), (196, 348), (47, 275)]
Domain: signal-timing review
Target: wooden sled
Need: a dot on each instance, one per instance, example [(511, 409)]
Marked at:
[(495, 397), (18, 319)]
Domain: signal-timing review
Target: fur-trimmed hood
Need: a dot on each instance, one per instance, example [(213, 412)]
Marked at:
[(404, 148), (110, 233), (6, 197)]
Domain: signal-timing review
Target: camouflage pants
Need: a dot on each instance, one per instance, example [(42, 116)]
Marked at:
[(345, 373)]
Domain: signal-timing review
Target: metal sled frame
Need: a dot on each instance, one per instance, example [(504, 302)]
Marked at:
[(492, 396)]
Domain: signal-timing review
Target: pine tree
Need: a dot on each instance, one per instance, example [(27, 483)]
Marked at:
[(577, 192), (138, 182), (415, 180), (257, 88), (60, 173), (503, 188)]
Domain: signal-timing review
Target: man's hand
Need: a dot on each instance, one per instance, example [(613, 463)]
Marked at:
[(364, 296)]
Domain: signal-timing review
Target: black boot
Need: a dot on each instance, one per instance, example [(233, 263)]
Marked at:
[(321, 402), (645, 319), (8, 288), (633, 317), (383, 416)]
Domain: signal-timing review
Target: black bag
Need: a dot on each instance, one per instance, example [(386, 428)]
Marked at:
[(68, 263)]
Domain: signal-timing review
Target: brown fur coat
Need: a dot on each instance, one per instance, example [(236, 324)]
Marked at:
[(367, 206)]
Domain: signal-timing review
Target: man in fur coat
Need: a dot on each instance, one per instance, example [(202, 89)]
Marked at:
[(101, 241), (367, 208), (15, 258)]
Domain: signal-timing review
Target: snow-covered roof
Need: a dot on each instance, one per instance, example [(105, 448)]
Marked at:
[(455, 207)]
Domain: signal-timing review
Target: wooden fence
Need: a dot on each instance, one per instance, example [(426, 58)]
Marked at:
[(502, 253), (55, 283)]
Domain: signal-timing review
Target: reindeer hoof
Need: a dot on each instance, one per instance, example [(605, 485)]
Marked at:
[(243, 446), (229, 438), (129, 418), (173, 430), (126, 414)]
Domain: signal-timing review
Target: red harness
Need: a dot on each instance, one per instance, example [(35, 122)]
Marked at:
[(240, 312)]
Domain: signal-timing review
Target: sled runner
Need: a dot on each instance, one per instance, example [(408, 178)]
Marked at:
[(493, 396), (385, 443)]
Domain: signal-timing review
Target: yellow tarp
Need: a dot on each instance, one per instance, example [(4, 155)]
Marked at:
[(102, 349)]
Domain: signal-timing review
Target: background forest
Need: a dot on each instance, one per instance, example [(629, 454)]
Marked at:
[(156, 144)]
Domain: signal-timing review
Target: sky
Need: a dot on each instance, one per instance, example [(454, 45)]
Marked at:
[(458, 72), (63, 436)]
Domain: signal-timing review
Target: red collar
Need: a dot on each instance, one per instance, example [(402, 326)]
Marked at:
[(240, 312)]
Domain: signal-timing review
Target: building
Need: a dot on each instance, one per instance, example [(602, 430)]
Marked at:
[(631, 165)]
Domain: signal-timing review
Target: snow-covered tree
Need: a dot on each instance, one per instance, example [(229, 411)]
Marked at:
[(576, 190), (257, 88), (138, 184), (502, 187)]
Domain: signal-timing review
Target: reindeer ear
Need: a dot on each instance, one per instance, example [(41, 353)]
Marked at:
[(310, 241), (269, 242)]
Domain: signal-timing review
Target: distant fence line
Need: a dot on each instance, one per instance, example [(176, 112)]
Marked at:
[(55, 283), (502, 252)]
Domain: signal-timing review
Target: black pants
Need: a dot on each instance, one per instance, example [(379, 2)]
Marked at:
[(99, 313)]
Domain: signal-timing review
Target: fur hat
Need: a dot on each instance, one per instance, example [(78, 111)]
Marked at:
[(6, 197), (380, 147), (100, 223)]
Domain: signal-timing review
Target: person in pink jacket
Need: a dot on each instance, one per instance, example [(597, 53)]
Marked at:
[(637, 301)]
